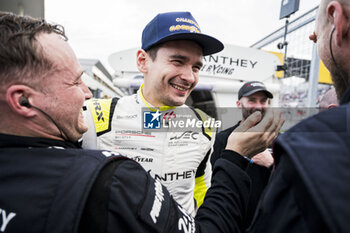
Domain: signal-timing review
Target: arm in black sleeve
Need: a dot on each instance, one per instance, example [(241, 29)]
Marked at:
[(224, 205), (219, 147), (259, 176), (138, 203)]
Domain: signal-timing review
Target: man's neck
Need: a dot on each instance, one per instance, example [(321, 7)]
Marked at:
[(151, 105)]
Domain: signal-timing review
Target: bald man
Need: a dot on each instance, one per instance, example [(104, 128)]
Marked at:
[(329, 100), (309, 190)]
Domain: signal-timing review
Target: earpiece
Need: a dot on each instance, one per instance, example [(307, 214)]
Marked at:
[(23, 101)]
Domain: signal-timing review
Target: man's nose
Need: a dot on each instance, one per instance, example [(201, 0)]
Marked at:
[(87, 92), (258, 106), (313, 37), (189, 75)]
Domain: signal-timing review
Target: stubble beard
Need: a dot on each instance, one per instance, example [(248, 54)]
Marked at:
[(340, 81), (246, 112), (339, 75), (172, 103)]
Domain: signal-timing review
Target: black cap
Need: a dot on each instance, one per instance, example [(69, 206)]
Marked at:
[(252, 87)]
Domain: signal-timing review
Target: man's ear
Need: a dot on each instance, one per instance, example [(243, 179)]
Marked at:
[(141, 60), (332, 106), (238, 103), (15, 95), (337, 15)]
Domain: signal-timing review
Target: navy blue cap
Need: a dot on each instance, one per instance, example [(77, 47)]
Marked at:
[(178, 26), (249, 88)]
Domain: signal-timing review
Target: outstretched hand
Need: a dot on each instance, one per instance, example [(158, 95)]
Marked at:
[(252, 136)]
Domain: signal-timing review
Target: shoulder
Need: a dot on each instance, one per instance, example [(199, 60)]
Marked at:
[(226, 133), (335, 117), (129, 99), (101, 108), (208, 128), (318, 148), (331, 121), (323, 134)]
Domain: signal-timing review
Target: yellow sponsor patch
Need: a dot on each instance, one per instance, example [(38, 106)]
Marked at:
[(100, 109)]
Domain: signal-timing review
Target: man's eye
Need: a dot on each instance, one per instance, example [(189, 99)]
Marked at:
[(78, 82), (177, 62), (196, 69)]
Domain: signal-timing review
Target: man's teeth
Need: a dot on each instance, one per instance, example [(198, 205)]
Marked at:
[(178, 88)]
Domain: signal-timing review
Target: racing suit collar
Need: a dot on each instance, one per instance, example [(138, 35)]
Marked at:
[(149, 106), (7, 140)]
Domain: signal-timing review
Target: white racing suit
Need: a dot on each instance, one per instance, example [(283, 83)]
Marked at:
[(180, 158)]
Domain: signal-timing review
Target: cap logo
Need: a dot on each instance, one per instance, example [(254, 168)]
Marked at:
[(187, 21), (184, 27), (189, 28), (257, 85)]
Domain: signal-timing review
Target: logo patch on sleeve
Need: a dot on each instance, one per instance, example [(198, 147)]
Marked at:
[(155, 209), (100, 110)]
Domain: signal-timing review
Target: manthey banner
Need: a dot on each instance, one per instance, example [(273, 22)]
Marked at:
[(240, 63), (233, 63)]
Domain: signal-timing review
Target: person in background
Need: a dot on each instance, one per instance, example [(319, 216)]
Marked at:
[(308, 189), (49, 184), (170, 59), (329, 100), (252, 96)]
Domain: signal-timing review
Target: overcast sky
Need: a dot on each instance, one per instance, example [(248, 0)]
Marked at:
[(97, 29)]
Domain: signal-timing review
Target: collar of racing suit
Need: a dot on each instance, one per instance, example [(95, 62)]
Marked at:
[(149, 106), (21, 141)]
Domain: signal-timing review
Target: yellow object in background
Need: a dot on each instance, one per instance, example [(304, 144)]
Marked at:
[(324, 76)]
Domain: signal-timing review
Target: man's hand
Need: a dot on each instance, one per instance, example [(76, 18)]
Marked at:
[(251, 137), (264, 158)]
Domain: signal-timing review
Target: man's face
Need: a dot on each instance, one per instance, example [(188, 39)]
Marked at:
[(252, 103), (171, 77), (63, 92)]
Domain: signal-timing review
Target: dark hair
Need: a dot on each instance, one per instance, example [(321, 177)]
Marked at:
[(152, 51), (21, 57)]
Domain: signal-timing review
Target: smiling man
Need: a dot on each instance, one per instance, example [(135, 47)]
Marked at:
[(172, 74), (252, 97), (49, 184), (170, 60)]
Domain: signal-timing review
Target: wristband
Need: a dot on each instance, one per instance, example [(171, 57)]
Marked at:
[(251, 161), (235, 158)]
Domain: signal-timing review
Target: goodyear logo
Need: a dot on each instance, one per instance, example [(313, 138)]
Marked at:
[(184, 27)]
